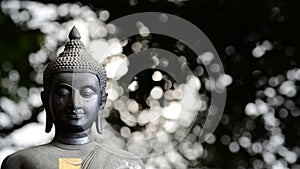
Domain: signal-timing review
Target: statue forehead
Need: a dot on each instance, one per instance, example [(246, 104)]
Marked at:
[(76, 78)]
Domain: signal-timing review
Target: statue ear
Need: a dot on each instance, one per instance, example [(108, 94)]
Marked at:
[(103, 101), (49, 121), (43, 97), (99, 117), (99, 123)]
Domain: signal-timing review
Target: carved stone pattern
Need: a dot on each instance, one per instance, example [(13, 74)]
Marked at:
[(74, 58)]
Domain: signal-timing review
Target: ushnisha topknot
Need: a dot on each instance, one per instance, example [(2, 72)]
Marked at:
[(74, 58)]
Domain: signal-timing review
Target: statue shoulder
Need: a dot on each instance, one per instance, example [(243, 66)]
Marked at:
[(14, 160), (122, 159), (20, 158), (117, 151)]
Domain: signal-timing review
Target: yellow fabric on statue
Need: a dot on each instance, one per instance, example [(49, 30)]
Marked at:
[(70, 163)]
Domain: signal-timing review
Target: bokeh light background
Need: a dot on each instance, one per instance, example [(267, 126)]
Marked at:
[(261, 131)]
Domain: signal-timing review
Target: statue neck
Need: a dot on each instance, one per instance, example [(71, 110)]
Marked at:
[(73, 138)]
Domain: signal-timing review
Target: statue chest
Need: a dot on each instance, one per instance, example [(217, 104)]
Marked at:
[(50, 157), (54, 160)]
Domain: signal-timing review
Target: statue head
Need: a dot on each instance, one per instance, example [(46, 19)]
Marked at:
[(74, 87)]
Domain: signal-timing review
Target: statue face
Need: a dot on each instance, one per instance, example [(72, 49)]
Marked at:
[(74, 101)]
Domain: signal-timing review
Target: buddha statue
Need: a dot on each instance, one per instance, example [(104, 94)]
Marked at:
[(74, 97)]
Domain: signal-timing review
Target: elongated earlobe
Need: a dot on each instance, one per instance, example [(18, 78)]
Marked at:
[(49, 121), (99, 123)]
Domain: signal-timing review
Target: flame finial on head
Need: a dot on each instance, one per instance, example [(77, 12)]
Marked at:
[(74, 33)]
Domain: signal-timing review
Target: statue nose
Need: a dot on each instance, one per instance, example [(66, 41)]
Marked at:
[(75, 100)]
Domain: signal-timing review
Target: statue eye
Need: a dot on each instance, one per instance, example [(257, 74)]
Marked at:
[(87, 92), (62, 92)]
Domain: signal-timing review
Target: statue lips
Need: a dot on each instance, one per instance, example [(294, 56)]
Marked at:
[(75, 114)]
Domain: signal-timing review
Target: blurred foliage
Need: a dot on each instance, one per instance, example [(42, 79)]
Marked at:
[(15, 46)]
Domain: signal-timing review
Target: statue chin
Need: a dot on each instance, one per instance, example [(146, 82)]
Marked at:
[(74, 97)]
